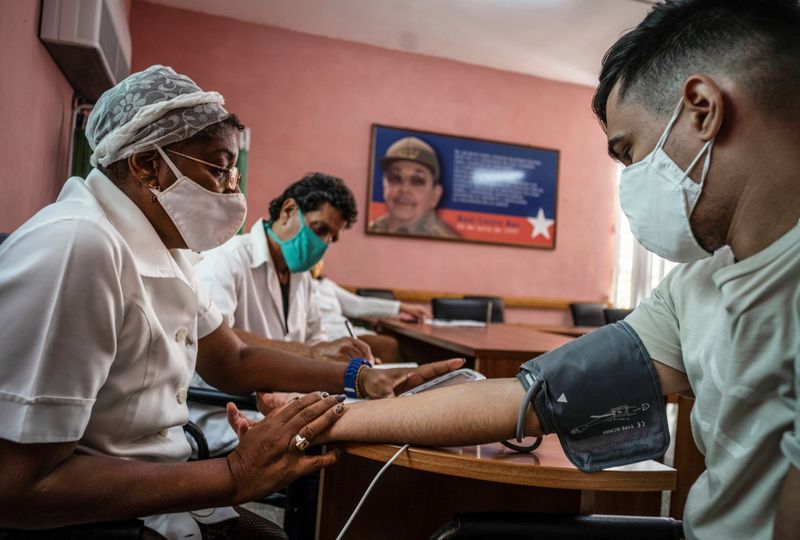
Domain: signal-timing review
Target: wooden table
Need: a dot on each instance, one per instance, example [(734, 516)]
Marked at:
[(426, 487), (496, 350), (574, 331)]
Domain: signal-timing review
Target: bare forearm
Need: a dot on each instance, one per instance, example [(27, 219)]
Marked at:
[(89, 489), (268, 369), (253, 340), (472, 413), (227, 363)]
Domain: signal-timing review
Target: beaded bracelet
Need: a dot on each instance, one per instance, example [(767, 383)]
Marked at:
[(351, 376), (359, 395)]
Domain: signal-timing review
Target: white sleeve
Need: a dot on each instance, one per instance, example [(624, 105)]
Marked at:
[(220, 274), (656, 323), (62, 306), (363, 306)]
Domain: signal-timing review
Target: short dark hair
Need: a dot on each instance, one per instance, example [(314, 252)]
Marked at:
[(756, 41), (315, 189)]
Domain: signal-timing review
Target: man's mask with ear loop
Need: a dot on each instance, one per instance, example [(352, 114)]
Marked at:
[(301, 251), (658, 198)]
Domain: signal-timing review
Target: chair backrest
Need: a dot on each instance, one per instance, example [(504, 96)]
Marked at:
[(615, 314), (587, 314), (460, 309), (530, 526), (376, 293), (498, 307)]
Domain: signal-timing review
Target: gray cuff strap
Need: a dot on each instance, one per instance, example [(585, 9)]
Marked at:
[(600, 394)]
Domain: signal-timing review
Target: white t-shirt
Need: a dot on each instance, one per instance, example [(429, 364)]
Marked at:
[(337, 304), (734, 329), (99, 325)]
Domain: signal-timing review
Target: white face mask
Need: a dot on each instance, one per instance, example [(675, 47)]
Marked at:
[(658, 197), (204, 219)]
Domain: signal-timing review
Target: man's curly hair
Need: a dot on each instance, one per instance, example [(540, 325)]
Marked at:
[(315, 189)]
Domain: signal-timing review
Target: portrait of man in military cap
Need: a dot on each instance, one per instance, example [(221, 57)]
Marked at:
[(411, 190)]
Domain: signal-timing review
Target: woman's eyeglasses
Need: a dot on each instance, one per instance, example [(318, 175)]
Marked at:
[(231, 176)]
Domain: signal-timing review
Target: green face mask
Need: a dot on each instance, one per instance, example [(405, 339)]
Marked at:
[(301, 251)]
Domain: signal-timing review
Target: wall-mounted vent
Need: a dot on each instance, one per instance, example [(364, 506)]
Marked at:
[(90, 42)]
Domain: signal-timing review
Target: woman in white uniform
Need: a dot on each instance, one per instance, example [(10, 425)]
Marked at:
[(102, 322)]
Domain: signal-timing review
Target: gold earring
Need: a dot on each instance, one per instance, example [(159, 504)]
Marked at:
[(151, 183)]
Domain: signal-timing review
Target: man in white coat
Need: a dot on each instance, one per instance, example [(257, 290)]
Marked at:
[(261, 284)]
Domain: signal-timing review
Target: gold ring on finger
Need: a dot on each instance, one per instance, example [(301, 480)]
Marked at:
[(301, 442)]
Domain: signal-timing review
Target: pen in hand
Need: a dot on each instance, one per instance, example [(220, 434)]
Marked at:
[(353, 335), (350, 329)]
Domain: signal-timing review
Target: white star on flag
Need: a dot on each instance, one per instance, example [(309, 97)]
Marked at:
[(541, 225)]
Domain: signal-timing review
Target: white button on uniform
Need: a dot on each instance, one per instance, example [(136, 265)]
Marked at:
[(181, 395), (181, 334)]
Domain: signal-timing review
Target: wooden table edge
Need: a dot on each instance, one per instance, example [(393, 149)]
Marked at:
[(434, 460)]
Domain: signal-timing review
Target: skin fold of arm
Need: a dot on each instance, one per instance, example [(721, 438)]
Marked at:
[(47, 485), (471, 413)]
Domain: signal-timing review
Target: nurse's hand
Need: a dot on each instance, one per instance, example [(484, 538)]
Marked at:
[(268, 459), (380, 383), (342, 350)]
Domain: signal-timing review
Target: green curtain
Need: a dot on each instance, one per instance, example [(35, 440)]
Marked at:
[(80, 146), (241, 161)]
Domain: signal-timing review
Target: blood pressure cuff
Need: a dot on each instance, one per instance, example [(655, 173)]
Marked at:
[(600, 394)]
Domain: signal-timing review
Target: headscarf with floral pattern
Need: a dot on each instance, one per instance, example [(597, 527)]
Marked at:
[(154, 107)]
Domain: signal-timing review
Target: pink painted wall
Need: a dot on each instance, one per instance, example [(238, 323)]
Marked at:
[(36, 103), (310, 102)]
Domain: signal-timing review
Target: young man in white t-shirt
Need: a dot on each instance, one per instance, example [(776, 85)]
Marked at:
[(701, 103)]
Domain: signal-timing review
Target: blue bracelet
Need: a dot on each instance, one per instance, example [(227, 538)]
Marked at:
[(350, 376)]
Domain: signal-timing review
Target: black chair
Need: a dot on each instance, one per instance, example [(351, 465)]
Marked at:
[(376, 293), (530, 526), (210, 396), (498, 307), (129, 529), (615, 314), (587, 314), (460, 309)]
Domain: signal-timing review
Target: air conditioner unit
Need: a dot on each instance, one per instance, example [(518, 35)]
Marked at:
[(90, 42)]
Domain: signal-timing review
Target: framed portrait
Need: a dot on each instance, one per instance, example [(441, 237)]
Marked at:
[(432, 185)]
